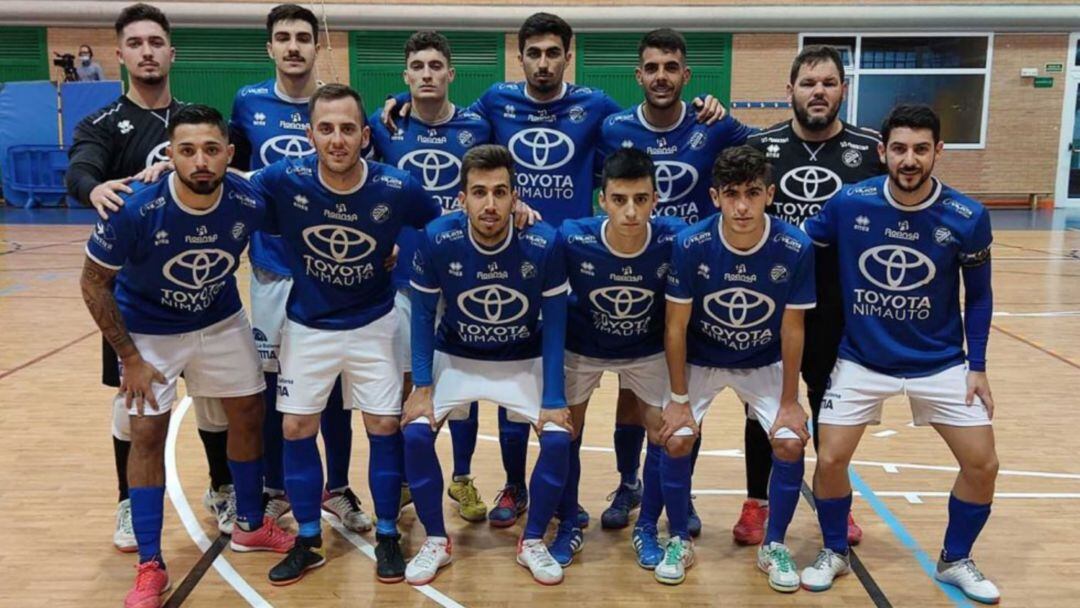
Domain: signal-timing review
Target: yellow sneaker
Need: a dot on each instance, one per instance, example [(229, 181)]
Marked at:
[(470, 507)]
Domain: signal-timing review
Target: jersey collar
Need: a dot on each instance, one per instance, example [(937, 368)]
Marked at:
[(645, 123), (283, 97), (190, 210), (752, 250), (525, 91), (354, 189), (484, 250), (439, 123), (930, 200), (618, 254)]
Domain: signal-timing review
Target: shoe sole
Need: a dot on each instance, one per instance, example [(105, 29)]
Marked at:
[(608, 526), (670, 581), (237, 547), (981, 600), (390, 581), (131, 549), (546, 584), (358, 530), (777, 586), (826, 588), (299, 578), (428, 580)]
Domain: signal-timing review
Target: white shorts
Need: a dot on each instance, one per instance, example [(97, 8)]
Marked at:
[(209, 416), (403, 306), (366, 358), (856, 394), (647, 377), (515, 385), (269, 294), (758, 387), (217, 361)]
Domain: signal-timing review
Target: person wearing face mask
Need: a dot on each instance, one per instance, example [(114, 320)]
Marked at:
[(88, 69)]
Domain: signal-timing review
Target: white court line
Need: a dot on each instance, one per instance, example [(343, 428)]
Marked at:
[(887, 466), (187, 517), (916, 497), (1052, 314)]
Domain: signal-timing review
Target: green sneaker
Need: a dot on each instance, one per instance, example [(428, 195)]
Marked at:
[(470, 506), (775, 560), (678, 557)]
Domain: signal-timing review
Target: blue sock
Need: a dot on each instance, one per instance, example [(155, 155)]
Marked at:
[(784, 485), (425, 477), (514, 444), (548, 481), (273, 476), (675, 484), (336, 426), (966, 521), (247, 481), (463, 440), (628, 443), (568, 506), (304, 483), (652, 498), (384, 474), (147, 511), (832, 514)]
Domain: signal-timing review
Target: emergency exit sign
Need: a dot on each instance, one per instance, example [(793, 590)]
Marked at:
[(1044, 82), (1055, 67)]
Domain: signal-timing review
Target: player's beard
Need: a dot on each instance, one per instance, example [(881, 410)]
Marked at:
[(546, 87), (202, 187), (150, 81), (674, 98), (896, 178), (814, 124)]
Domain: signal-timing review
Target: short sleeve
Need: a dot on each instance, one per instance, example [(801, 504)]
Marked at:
[(975, 248), (112, 241), (821, 228), (421, 206), (803, 292), (678, 277), (555, 281), (609, 106), (422, 277), (261, 183)]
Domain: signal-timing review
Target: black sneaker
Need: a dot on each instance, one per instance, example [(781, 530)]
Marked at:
[(306, 554), (389, 560), (623, 500)]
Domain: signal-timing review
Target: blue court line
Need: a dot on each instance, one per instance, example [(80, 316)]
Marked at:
[(928, 564), (7, 291)]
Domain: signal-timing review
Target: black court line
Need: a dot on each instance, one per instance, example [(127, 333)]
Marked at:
[(18, 247), (869, 584), (184, 589)]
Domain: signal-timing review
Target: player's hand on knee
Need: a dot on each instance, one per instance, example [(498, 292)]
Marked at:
[(524, 215), (419, 404), (154, 172), (105, 199), (677, 416), (791, 416), (709, 109), (979, 384), (558, 416), (137, 384)]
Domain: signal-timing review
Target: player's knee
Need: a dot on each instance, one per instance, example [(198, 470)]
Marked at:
[(788, 450), (295, 427), (148, 438), (831, 463), (679, 446), (382, 425), (984, 471)]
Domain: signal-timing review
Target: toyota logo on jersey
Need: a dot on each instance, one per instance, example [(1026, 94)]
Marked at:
[(541, 149), (283, 146), (196, 268), (674, 179), (493, 304), (810, 184), (338, 243), (157, 154), (438, 170), (739, 307), (896, 267), (621, 302)]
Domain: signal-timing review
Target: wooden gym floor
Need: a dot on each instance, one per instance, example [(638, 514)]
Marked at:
[(57, 484)]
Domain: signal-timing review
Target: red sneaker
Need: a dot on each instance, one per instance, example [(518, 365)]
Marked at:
[(269, 537), (750, 529), (151, 581), (854, 532)]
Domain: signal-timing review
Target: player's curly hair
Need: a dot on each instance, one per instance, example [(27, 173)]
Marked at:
[(427, 39), (741, 165), (486, 158)]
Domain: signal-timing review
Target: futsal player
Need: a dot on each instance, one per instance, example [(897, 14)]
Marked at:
[(905, 242)]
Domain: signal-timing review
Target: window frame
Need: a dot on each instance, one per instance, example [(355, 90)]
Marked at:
[(857, 71)]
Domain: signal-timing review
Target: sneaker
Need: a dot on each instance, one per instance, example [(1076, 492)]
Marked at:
[(433, 555), (345, 506), (389, 560), (151, 581), (775, 560), (750, 529), (510, 503), (693, 524), (966, 575), (124, 536), (568, 542), (623, 500), (854, 532), (268, 537), (470, 506), (678, 557), (534, 555), (582, 517), (305, 555), (647, 546), (276, 506), (827, 566), (222, 505)]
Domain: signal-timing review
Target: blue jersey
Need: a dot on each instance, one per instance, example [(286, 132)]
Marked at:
[(340, 239), (900, 274), (553, 144), (432, 154), (616, 304), (176, 263), (268, 125), (492, 296), (683, 154), (739, 297)]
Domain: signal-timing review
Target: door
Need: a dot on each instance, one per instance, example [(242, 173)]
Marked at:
[(1067, 190)]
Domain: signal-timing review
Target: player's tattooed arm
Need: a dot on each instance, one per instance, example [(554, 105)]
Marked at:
[(96, 283)]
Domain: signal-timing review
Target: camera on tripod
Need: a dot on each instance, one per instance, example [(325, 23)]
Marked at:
[(66, 61)]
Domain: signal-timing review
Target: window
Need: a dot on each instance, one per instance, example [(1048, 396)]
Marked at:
[(950, 73)]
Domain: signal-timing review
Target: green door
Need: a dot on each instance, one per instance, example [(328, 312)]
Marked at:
[(378, 59), (211, 65), (607, 61), (25, 55)]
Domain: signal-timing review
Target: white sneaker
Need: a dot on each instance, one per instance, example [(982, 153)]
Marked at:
[(222, 505), (345, 506), (275, 506), (775, 560), (533, 554), (827, 566), (678, 557), (966, 575), (124, 536), (425, 565)]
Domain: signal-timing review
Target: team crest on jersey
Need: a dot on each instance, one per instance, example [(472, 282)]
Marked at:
[(852, 158), (259, 119), (588, 269), (779, 274), (380, 213), (943, 236), (125, 127), (772, 151), (528, 270), (161, 237), (577, 114), (862, 224), (466, 138), (455, 269), (239, 231), (697, 140)]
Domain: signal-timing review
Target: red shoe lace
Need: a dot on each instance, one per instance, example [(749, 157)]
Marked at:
[(145, 577), (507, 498)]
